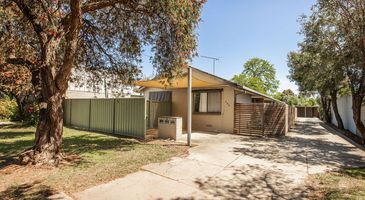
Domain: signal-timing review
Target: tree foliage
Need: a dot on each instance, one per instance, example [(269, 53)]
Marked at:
[(15, 82), (106, 38), (258, 74), (332, 56), (292, 99)]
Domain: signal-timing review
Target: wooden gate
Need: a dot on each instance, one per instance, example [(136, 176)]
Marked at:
[(259, 119), (307, 112)]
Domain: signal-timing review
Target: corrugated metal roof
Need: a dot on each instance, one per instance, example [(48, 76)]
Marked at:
[(201, 79)]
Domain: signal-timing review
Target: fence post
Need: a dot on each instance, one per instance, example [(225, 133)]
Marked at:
[(305, 111), (286, 119), (89, 114), (113, 116), (70, 112), (263, 119), (237, 117)]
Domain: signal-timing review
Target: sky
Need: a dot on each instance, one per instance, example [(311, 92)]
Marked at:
[(236, 30)]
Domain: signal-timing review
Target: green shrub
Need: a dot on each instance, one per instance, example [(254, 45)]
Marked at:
[(8, 109)]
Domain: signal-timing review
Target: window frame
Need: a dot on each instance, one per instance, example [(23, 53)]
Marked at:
[(208, 91)]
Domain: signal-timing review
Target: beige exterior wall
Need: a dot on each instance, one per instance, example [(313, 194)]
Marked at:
[(203, 122)]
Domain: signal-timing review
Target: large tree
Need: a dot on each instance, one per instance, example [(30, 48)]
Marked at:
[(304, 69), (258, 74), (292, 99), (51, 38), (347, 19), (319, 64)]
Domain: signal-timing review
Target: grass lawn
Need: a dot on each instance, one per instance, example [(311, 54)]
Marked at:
[(346, 184), (103, 158)]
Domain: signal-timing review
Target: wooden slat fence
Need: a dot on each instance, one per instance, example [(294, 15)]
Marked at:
[(248, 119), (274, 119), (260, 119), (291, 116), (308, 112)]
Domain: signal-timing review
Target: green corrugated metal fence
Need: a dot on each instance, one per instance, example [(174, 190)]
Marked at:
[(125, 116)]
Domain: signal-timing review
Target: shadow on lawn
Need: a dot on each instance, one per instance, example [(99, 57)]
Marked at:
[(30, 191), (13, 135), (358, 172), (79, 144)]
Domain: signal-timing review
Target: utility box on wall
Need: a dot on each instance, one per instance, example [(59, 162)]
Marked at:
[(169, 127)]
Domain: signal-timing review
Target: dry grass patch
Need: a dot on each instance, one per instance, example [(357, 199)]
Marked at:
[(98, 158), (345, 184)]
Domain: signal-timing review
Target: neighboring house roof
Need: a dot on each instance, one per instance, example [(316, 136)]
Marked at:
[(200, 79)]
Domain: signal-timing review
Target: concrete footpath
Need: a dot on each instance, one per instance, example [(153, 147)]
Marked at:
[(225, 166)]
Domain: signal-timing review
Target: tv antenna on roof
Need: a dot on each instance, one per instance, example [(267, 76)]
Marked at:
[(213, 59)]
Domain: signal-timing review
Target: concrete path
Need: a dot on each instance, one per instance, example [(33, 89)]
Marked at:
[(225, 166)]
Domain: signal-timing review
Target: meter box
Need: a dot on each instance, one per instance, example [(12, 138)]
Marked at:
[(169, 127)]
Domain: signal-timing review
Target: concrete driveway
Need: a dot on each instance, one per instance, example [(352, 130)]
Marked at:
[(225, 166)]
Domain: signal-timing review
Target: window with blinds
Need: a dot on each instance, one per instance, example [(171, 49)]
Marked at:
[(208, 101)]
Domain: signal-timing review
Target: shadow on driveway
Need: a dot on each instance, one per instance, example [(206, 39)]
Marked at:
[(308, 146)]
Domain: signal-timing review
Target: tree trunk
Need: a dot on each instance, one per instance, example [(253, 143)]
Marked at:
[(53, 78), (326, 103), (356, 109), (335, 109), (48, 136), (21, 110)]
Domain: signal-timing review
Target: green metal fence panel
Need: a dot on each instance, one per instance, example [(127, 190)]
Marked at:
[(130, 118), (101, 115), (125, 116), (80, 113), (66, 111)]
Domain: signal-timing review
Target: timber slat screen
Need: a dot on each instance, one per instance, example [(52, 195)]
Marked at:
[(291, 116), (124, 116), (259, 119)]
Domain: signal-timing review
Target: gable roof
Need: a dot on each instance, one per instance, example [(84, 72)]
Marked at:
[(200, 79)]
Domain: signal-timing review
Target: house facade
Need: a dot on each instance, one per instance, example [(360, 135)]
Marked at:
[(213, 100), (80, 87)]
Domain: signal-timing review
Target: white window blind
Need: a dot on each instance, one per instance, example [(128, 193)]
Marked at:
[(214, 102), (207, 102), (203, 102)]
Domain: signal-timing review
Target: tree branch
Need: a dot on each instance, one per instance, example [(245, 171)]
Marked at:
[(31, 17), (21, 61), (71, 45), (101, 4)]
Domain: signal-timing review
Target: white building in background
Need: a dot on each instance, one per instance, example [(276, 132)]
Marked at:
[(82, 88), (344, 105)]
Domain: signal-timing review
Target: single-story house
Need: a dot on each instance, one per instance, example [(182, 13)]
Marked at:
[(213, 99)]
